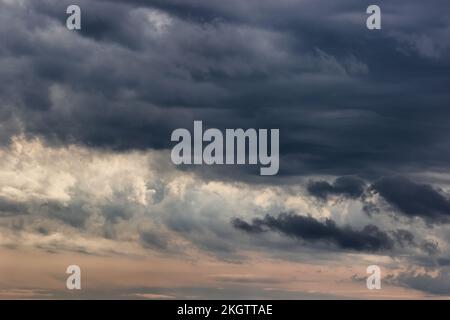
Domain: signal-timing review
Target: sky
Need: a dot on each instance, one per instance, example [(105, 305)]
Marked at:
[(86, 176)]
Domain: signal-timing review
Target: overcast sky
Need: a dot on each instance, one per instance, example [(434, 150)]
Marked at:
[(85, 170)]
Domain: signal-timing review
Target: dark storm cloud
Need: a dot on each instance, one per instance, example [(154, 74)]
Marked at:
[(347, 100), (348, 187), (310, 230), (413, 199), (405, 196)]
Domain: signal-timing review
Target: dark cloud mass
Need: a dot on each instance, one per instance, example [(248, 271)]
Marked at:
[(413, 199), (311, 230), (347, 100), (349, 187)]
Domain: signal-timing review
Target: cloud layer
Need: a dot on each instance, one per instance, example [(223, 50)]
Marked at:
[(85, 123)]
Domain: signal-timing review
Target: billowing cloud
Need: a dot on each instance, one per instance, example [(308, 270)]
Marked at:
[(85, 123)]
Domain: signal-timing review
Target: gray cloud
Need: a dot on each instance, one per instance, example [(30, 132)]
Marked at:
[(307, 228), (438, 284), (413, 199), (9, 207), (349, 187), (152, 239)]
